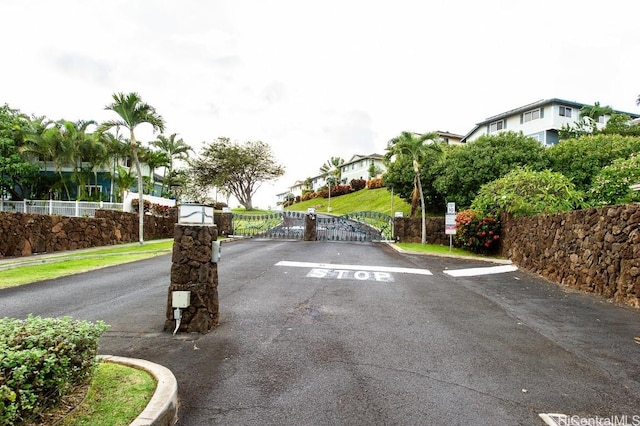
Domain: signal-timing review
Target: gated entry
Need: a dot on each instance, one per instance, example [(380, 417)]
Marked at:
[(361, 226)]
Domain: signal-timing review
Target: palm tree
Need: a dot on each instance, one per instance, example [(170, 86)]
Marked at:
[(154, 159), (76, 147), (595, 112), (333, 168), (414, 147), (176, 150), (124, 180), (133, 112)]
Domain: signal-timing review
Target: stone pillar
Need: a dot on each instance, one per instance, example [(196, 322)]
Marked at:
[(192, 270), (310, 230)]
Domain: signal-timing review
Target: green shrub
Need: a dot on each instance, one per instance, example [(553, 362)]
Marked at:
[(611, 185), (477, 233), (525, 192), (40, 360)]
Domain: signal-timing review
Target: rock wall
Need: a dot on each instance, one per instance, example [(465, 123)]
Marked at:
[(594, 250), (409, 230), (24, 234), (224, 222)]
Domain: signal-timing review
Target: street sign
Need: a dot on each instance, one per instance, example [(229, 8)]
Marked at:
[(450, 224), (451, 208)]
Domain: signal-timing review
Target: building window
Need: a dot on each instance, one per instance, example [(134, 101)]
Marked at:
[(496, 125), (531, 115), (565, 112), (93, 189)]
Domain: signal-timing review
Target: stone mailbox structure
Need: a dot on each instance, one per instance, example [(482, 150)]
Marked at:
[(193, 269)]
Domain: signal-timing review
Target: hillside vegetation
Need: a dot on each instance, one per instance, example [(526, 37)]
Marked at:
[(377, 200)]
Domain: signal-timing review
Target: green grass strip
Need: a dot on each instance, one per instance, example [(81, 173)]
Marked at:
[(437, 249), (69, 263), (118, 394)]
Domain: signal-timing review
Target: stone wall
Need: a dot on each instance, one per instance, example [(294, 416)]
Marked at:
[(409, 230), (594, 250), (24, 234), (224, 223)]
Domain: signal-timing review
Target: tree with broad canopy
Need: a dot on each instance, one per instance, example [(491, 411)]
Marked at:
[(238, 168)]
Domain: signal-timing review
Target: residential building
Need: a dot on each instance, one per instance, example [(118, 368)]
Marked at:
[(540, 120), (360, 167), (450, 138)]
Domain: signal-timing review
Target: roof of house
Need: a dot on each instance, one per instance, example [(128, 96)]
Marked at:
[(359, 157), (537, 104)]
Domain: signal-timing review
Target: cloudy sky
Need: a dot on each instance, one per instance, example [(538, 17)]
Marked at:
[(315, 79)]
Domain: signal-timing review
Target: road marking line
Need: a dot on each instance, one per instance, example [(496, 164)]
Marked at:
[(354, 267), (472, 272)]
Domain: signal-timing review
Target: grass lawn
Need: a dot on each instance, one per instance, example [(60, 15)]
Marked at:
[(118, 394), (74, 262), (437, 249)]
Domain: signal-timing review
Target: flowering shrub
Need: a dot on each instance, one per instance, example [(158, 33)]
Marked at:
[(475, 233), (308, 195), (358, 184), (152, 208), (135, 202), (375, 183), (336, 190)]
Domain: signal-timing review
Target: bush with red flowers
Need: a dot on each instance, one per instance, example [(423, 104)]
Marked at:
[(476, 233)]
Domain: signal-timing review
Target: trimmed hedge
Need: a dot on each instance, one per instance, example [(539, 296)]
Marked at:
[(41, 359)]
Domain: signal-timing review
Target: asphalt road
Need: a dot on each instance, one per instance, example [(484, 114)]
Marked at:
[(328, 344)]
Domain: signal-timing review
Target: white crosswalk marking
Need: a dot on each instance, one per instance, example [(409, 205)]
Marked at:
[(355, 267), (472, 272)]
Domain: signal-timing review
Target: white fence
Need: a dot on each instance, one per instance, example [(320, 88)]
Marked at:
[(62, 208)]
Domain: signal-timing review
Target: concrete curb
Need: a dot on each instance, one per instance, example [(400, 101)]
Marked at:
[(162, 410)]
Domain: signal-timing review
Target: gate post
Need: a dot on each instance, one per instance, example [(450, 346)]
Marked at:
[(192, 302), (310, 230)]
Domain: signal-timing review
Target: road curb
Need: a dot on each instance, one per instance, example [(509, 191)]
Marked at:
[(162, 410)]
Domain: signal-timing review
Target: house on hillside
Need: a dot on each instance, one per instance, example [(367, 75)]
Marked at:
[(539, 120), (450, 138), (360, 167)]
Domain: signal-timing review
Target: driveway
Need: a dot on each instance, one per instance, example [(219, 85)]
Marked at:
[(341, 333)]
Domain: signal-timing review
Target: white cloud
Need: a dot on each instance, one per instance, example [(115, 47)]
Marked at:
[(315, 79)]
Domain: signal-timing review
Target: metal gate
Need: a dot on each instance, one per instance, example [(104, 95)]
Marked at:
[(360, 226), (282, 225)]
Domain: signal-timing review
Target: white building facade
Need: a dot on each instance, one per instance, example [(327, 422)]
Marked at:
[(540, 120)]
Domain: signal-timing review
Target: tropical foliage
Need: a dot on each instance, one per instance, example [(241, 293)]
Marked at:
[(414, 148), (525, 192), (612, 184), (466, 168), (582, 159), (17, 173)]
